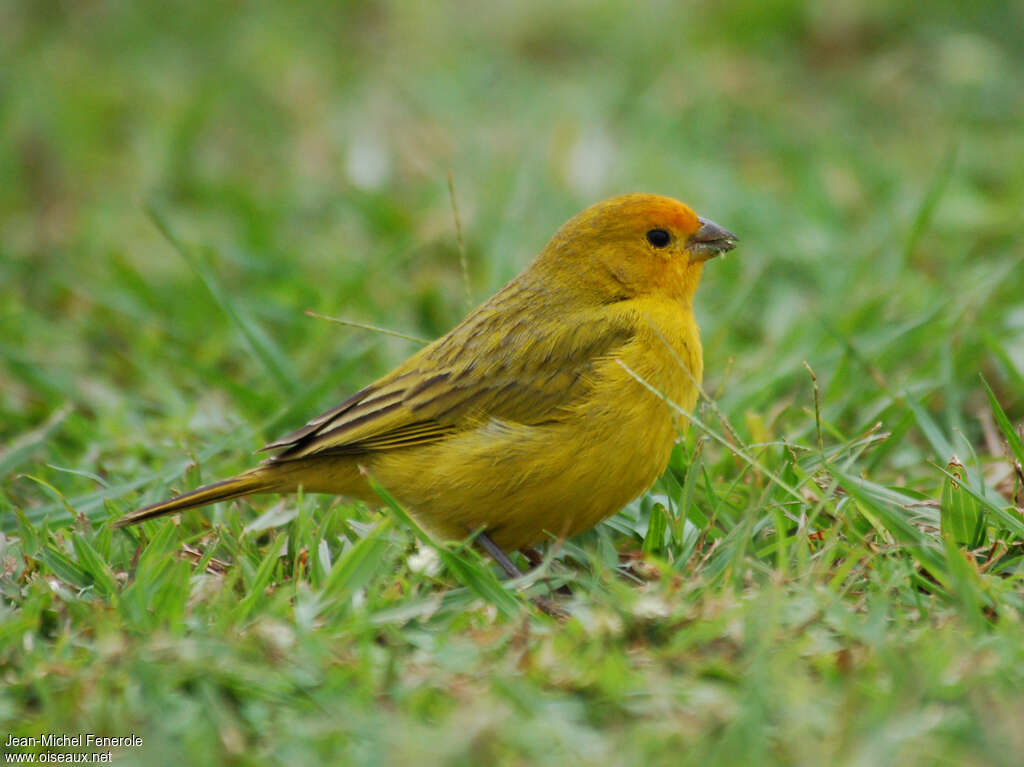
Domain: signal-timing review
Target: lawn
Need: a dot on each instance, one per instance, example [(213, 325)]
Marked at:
[(831, 571)]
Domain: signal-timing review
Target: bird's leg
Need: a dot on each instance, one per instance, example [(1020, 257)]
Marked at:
[(499, 556), (543, 603), (536, 559)]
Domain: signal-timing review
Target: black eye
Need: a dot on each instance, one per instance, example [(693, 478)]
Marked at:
[(659, 238)]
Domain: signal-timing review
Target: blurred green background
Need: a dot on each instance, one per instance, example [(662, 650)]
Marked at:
[(869, 155), (306, 147)]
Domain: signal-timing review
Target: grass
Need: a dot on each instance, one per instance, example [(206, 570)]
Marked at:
[(828, 573)]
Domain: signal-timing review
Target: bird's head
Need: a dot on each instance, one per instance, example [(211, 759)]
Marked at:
[(634, 245)]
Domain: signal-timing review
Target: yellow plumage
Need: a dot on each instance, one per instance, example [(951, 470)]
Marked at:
[(526, 419)]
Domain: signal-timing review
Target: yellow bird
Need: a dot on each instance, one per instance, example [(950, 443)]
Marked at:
[(526, 420)]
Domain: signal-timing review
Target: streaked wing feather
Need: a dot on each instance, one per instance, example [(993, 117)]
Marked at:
[(484, 368), (403, 436)]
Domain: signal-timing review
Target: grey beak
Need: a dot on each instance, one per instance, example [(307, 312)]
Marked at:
[(709, 241)]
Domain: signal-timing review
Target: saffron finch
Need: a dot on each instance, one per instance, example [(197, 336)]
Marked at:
[(527, 419)]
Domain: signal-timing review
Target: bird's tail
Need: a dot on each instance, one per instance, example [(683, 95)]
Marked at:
[(257, 480)]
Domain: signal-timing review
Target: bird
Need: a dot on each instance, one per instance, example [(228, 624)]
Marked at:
[(547, 409)]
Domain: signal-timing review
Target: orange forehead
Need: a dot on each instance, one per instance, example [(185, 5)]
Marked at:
[(671, 213), (650, 210)]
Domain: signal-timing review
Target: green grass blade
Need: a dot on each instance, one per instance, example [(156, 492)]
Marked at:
[(942, 446), (94, 567), (961, 516), (1009, 433), (63, 567), (359, 564), (261, 345), (262, 577)]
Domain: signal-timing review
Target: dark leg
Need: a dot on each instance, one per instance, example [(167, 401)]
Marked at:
[(536, 560), (532, 556), (499, 556), (546, 605)]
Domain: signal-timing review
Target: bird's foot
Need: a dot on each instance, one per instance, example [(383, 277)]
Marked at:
[(545, 604)]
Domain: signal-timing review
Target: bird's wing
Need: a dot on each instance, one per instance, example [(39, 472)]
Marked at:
[(494, 365)]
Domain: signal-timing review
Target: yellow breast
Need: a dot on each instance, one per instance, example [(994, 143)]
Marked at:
[(523, 483)]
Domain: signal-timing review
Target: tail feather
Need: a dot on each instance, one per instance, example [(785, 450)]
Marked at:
[(255, 481)]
